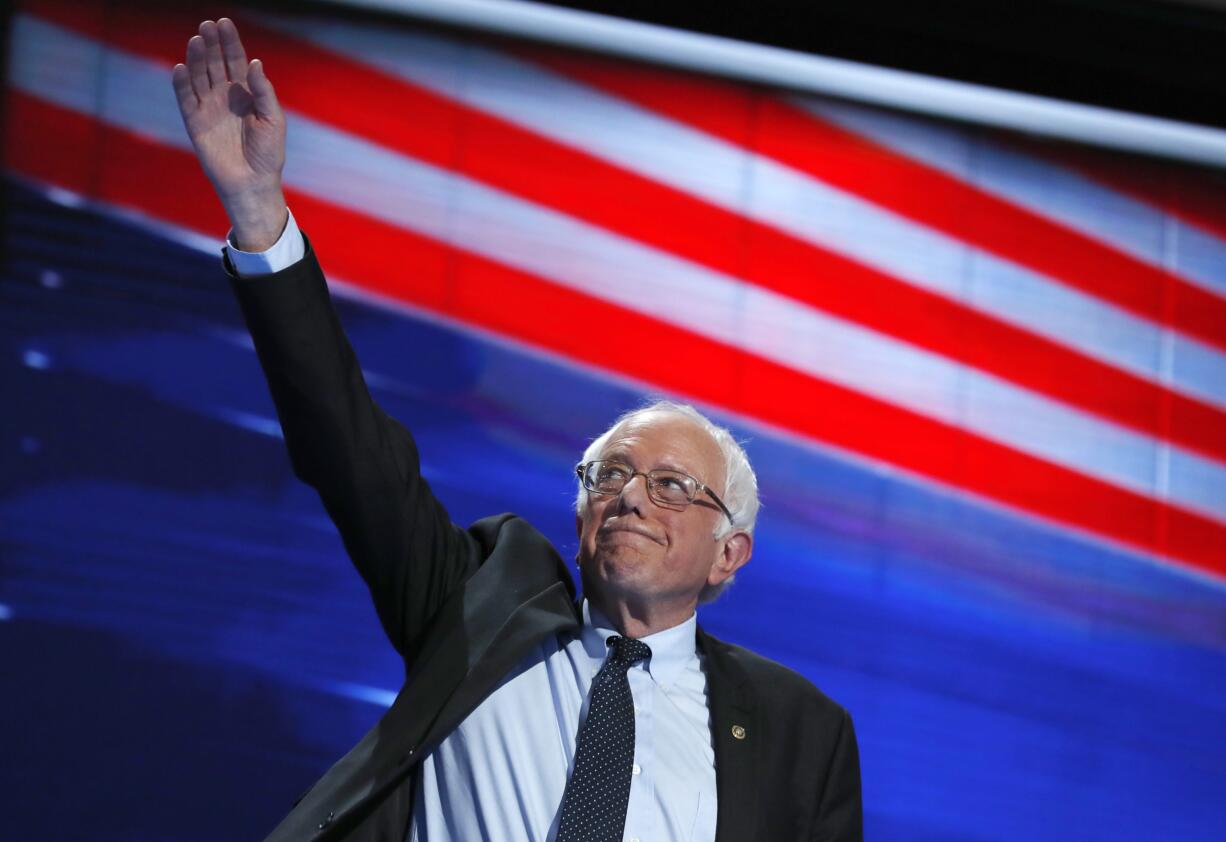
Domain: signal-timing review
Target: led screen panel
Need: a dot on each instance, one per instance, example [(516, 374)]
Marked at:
[(982, 378)]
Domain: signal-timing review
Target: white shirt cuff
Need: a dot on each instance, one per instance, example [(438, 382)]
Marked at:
[(285, 252)]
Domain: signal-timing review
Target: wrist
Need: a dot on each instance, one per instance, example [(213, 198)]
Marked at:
[(257, 217)]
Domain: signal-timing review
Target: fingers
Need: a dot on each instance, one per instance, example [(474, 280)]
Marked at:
[(213, 60), (232, 50), (183, 89), (215, 57), (265, 97), (197, 73)]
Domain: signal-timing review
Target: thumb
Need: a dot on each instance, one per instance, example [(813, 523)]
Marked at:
[(265, 97)]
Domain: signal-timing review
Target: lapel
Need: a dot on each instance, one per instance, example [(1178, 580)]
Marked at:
[(734, 712), (521, 593), (504, 609), (547, 613)]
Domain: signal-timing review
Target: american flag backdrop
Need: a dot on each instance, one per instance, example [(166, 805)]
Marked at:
[(982, 376)]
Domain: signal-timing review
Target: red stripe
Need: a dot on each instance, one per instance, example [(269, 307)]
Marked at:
[(102, 162), (85, 18), (445, 133), (802, 141), (492, 296)]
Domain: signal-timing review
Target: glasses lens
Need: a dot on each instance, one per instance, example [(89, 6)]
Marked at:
[(672, 488), (606, 477)]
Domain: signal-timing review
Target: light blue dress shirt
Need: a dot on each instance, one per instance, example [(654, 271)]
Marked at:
[(500, 775)]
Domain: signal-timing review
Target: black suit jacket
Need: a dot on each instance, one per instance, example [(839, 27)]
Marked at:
[(464, 606)]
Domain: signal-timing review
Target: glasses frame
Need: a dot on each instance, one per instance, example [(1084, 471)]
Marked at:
[(582, 468)]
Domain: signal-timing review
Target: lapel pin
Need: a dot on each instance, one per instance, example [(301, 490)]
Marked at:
[(738, 732)]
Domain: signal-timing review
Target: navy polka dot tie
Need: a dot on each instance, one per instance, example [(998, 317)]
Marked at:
[(594, 806)]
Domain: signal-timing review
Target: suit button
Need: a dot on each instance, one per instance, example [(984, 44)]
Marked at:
[(327, 820)]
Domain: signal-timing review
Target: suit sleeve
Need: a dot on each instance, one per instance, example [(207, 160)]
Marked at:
[(840, 815), (363, 463)]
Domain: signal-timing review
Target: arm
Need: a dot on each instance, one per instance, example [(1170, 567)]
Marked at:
[(839, 813), (363, 463)]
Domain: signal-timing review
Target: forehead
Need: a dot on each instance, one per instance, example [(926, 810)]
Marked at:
[(666, 440)]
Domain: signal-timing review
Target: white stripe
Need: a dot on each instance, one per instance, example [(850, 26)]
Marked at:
[(1051, 191), (758, 187), (794, 70), (84, 75), (1045, 188), (353, 173)]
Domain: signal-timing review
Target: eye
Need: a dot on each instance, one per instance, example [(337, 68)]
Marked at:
[(610, 477), (672, 487)]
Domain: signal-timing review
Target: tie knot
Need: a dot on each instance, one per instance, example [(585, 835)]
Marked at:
[(627, 650)]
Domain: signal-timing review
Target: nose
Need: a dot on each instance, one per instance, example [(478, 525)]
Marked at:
[(633, 495)]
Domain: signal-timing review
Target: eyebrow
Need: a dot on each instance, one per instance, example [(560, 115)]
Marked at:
[(620, 455)]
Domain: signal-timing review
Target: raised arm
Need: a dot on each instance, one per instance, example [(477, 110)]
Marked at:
[(363, 463)]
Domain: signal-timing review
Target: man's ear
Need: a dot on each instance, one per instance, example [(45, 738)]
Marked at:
[(734, 554)]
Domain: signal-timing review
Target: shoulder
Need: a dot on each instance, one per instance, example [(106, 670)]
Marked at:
[(507, 530), (508, 541), (775, 686)]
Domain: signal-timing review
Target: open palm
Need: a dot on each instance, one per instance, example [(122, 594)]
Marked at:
[(231, 113)]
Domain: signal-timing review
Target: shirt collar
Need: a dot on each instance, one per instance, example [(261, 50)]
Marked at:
[(670, 649)]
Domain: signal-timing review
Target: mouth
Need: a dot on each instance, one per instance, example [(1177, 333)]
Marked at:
[(629, 528)]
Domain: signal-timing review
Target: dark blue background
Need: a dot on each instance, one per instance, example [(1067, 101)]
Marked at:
[(185, 646)]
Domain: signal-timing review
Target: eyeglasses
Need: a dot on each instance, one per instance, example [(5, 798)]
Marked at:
[(668, 488)]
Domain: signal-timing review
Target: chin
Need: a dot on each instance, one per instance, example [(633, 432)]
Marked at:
[(616, 565)]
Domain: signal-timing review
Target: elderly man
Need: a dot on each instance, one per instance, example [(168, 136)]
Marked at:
[(525, 714)]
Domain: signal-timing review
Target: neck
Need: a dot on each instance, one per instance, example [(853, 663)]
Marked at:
[(638, 619)]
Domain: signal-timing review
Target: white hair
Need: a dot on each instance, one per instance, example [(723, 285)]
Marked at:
[(740, 493)]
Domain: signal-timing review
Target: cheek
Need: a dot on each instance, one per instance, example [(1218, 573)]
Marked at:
[(693, 546), (591, 517)]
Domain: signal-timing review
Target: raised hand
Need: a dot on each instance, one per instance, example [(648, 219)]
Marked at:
[(237, 128)]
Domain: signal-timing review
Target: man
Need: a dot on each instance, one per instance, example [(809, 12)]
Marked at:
[(524, 714)]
